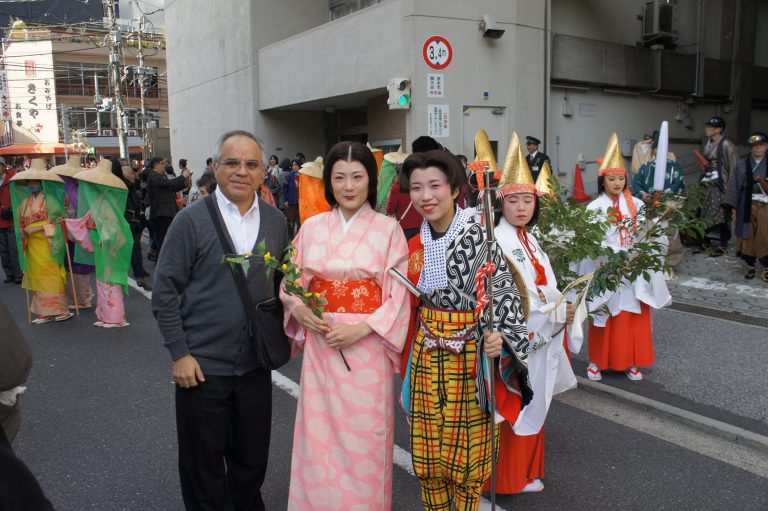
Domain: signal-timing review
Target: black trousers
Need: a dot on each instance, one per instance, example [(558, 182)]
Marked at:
[(9, 255), (223, 428), (18, 487), (160, 227)]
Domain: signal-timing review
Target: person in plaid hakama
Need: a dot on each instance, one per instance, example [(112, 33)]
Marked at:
[(445, 388)]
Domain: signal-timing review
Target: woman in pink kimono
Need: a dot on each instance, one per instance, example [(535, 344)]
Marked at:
[(344, 432)]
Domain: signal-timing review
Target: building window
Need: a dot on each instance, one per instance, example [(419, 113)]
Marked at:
[(340, 8), (79, 79)]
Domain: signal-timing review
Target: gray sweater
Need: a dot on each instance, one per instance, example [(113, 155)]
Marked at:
[(194, 296)]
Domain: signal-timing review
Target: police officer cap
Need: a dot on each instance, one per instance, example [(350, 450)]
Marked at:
[(757, 137), (532, 140), (717, 122)]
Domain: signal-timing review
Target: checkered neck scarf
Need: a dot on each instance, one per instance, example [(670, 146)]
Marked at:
[(434, 274)]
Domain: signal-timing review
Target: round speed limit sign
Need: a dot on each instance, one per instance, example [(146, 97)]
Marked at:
[(437, 52)]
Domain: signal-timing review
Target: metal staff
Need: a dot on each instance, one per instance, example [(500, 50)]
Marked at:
[(69, 262)]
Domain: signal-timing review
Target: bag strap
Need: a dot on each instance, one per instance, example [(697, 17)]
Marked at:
[(238, 274)]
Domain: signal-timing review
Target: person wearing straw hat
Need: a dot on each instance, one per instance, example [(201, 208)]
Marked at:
[(445, 387), (104, 237), (521, 444), (8, 253), (38, 204), (621, 340), (747, 198), (79, 291), (312, 199)]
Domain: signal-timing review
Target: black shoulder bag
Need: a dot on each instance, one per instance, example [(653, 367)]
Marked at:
[(265, 319)]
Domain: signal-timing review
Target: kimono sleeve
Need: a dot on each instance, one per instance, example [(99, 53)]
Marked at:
[(293, 329), (390, 320)]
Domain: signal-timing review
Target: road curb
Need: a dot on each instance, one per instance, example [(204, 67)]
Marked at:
[(735, 433)]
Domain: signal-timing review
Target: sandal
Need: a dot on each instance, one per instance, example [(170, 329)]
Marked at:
[(765, 275), (63, 317), (42, 319), (593, 372), (750, 273), (634, 374)]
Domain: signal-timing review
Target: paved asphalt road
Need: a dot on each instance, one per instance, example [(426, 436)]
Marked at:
[(98, 426)]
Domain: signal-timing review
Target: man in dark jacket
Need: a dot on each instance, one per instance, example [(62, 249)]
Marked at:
[(9, 254), (535, 158), (223, 393), (162, 198)]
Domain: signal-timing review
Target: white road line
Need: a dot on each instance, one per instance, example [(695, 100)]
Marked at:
[(141, 290), (402, 458), (706, 284)]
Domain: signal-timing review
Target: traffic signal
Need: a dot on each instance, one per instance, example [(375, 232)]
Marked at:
[(399, 94)]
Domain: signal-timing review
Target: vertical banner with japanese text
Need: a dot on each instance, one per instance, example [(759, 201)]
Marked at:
[(32, 92)]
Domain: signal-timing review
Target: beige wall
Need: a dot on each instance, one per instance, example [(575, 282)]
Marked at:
[(383, 123)]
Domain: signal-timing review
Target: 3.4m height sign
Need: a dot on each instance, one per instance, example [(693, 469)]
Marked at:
[(437, 52)]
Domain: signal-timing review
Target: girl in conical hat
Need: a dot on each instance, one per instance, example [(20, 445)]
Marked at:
[(621, 340), (37, 196), (521, 444), (79, 291)]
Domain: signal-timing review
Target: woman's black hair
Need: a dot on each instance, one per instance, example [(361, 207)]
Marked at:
[(277, 160), (499, 211), (208, 182), (440, 158), (117, 170), (285, 164), (601, 184), (349, 152)]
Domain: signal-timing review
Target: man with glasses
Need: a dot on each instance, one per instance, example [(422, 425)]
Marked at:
[(223, 394)]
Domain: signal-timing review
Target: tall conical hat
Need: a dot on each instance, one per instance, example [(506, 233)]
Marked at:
[(313, 168), (396, 157), (102, 174), (544, 181), (613, 161), (70, 168), (483, 149), (37, 172), (516, 176)]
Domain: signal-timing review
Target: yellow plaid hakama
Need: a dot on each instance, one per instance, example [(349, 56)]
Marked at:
[(450, 433)]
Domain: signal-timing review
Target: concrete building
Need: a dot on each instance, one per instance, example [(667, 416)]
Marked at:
[(46, 69), (303, 74)]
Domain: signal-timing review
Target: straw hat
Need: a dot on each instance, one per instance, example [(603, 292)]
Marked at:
[(613, 161), (37, 172), (516, 176), (313, 168), (396, 157), (544, 181), (101, 174), (70, 168)]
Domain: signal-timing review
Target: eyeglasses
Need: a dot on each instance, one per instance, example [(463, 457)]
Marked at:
[(234, 164)]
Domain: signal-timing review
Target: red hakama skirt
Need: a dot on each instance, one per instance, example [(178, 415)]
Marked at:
[(625, 341)]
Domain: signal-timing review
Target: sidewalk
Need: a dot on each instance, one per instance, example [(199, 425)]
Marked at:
[(719, 283)]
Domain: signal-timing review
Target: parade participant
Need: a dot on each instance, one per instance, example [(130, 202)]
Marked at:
[(9, 256), (312, 197), (104, 238), (723, 158), (38, 204), (622, 339), (78, 288), (521, 445), (534, 159), (344, 432), (674, 182), (445, 389), (748, 195), (390, 167), (223, 390)]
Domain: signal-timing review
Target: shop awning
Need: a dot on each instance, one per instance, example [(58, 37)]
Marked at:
[(56, 148)]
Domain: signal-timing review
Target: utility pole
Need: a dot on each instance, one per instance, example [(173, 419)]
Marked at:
[(143, 74), (65, 129), (115, 42)]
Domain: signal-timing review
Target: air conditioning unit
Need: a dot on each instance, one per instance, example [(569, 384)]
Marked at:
[(133, 133), (107, 133), (659, 19)]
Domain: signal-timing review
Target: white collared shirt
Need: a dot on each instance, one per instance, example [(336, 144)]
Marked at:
[(533, 155), (243, 229)]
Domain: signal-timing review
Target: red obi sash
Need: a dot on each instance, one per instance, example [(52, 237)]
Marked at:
[(354, 296)]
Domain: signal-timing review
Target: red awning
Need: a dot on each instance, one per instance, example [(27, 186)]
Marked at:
[(56, 148)]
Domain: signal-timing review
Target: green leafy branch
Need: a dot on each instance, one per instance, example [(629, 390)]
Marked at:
[(285, 265)]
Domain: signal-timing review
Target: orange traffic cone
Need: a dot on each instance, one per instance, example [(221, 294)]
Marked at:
[(578, 187)]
